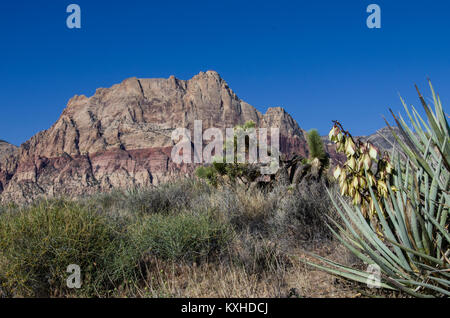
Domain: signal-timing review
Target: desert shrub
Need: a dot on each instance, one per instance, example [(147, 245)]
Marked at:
[(257, 254), (107, 202), (251, 211), (295, 214), (316, 147), (164, 198), (3, 209), (302, 214), (37, 244), (183, 236), (116, 237)]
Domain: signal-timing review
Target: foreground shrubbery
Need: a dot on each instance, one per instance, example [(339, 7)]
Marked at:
[(38, 243), (182, 237), (128, 242)]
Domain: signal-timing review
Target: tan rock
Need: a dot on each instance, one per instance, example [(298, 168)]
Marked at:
[(121, 136)]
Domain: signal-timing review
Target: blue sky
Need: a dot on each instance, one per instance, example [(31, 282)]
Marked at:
[(317, 59)]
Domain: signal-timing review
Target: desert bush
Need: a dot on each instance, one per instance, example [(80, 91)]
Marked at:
[(116, 237), (302, 215), (257, 254), (316, 147), (167, 197), (294, 215), (251, 211), (37, 244), (183, 236)]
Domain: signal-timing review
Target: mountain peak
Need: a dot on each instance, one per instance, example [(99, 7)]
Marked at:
[(121, 136)]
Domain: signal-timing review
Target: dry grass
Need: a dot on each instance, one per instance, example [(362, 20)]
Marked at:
[(188, 239), (222, 280)]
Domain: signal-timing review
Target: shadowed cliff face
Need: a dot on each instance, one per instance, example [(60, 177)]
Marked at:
[(8, 162), (121, 137)]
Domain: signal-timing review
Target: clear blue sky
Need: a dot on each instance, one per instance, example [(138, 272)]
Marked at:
[(317, 59)]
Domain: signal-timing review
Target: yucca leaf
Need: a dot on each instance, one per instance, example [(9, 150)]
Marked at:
[(431, 118), (344, 271), (351, 248), (442, 282), (414, 156), (408, 236), (435, 288), (418, 253)]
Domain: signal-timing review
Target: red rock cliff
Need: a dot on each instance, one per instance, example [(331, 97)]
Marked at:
[(121, 136)]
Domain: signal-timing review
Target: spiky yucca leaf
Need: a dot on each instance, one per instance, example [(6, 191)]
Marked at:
[(408, 237)]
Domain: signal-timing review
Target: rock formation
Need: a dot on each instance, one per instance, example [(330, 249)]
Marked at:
[(121, 137), (384, 139), (8, 162)]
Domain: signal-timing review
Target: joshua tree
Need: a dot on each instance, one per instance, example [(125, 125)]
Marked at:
[(316, 147)]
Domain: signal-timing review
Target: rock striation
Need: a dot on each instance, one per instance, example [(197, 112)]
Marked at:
[(121, 137)]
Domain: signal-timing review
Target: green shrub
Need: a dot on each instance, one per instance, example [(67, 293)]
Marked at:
[(37, 244), (316, 147), (167, 197), (209, 173), (184, 236)]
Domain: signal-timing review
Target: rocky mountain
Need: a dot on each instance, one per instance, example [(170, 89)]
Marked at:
[(8, 162), (7, 150), (383, 138), (121, 137)]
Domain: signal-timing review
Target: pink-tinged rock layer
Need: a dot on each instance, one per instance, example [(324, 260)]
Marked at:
[(121, 137)]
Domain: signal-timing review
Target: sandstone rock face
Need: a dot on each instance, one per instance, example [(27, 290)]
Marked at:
[(121, 137), (8, 162), (7, 150)]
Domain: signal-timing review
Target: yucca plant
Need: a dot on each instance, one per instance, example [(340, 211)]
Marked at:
[(406, 238), (229, 170)]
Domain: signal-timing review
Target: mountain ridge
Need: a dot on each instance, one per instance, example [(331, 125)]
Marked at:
[(121, 136)]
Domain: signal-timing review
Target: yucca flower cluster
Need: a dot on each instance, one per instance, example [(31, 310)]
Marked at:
[(357, 177)]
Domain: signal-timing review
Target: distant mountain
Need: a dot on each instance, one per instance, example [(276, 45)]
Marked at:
[(383, 138), (7, 149), (8, 162), (121, 136)]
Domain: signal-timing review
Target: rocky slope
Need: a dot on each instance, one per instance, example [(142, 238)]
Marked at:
[(7, 150), (8, 162), (121, 137), (384, 139)]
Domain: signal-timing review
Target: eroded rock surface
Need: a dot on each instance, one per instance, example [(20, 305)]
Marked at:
[(8, 162), (121, 137)]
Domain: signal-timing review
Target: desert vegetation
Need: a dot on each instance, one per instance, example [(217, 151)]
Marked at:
[(229, 232), (397, 221), (182, 239)]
